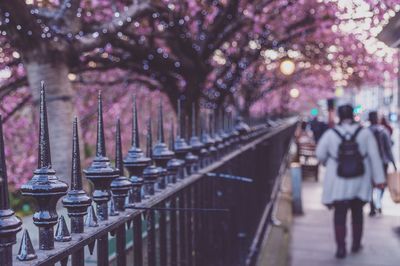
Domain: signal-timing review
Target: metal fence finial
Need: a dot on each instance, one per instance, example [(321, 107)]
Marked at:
[(26, 251), (10, 224), (100, 172), (120, 185), (76, 201), (44, 186)]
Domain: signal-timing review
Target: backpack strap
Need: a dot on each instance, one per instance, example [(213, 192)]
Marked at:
[(353, 138), (339, 134)]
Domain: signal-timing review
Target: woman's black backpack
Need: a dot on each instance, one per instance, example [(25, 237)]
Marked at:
[(349, 159)]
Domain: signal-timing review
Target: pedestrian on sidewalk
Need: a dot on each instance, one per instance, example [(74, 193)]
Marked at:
[(351, 156), (382, 137), (385, 123)]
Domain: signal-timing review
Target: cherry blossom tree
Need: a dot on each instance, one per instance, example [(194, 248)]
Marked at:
[(209, 52)]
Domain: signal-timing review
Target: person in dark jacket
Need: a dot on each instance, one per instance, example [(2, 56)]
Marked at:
[(318, 128), (384, 142)]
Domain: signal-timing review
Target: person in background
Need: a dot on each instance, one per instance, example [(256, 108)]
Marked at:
[(385, 123), (344, 193), (318, 128), (302, 134), (384, 142)]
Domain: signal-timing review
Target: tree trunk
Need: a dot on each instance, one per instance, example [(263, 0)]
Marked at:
[(60, 110)]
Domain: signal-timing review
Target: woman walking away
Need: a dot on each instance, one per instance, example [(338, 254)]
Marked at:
[(352, 161)]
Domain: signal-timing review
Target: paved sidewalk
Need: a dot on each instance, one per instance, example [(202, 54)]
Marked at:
[(313, 239)]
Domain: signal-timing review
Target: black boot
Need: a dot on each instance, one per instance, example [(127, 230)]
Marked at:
[(340, 235), (357, 234)]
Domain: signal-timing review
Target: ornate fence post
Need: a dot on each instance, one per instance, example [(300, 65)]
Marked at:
[(218, 140), (195, 142), (120, 185), (10, 224), (181, 148), (213, 143), (206, 140), (161, 153), (76, 201), (175, 165), (151, 173), (44, 186), (222, 132), (100, 172), (135, 161)]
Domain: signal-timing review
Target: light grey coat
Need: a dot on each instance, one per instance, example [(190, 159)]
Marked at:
[(336, 188)]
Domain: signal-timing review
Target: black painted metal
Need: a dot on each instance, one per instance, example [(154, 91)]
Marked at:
[(10, 224), (44, 186), (135, 161), (196, 220), (181, 148), (121, 244), (76, 201), (26, 251), (161, 153), (151, 173), (120, 185), (138, 240), (175, 165), (100, 172), (195, 142)]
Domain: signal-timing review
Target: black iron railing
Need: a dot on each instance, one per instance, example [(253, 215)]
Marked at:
[(206, 202)]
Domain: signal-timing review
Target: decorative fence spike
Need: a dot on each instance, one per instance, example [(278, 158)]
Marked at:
[(111, 208), (161, 153), (217, 137), (175, 165), (212, 148), (26, 251), (195, 142), (135, 161), (10, 224), (76, 201), (120, 185), (91, 218), (62, 232), (204, 138), (91, 247), (44, 186), (222, 132), (100, 172), (181, 148), (151, 173)]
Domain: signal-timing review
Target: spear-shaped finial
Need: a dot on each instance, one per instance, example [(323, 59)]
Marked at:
[(135, 127), (100, 145), (179, 129), (76, 200), (210, 124), (149, 144), (62, 232), (118, 149), (160, 124), (44, 142), (76, 174), (172, 137), (193, 119), (26, 251), (10, 225), (44, 186), (120, 185), (4, 201)]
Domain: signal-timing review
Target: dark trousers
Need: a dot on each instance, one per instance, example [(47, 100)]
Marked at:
[(340, 213)]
